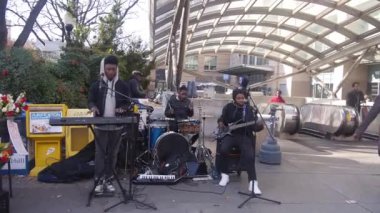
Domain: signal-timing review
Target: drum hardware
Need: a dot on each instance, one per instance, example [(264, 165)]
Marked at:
[(202, 153), (151, 135)]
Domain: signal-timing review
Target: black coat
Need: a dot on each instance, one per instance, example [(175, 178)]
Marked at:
[(97, 95), (181, 108), (135, 88), (354, 98), (233, 113)]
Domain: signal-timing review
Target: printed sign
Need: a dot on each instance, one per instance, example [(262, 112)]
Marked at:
[(39, 122), (16, 139), (17, 162)]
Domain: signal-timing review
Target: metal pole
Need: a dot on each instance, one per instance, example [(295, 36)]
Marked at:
[(173, 30), (182, 45), (169, 80), (352, 68), (174, 58)]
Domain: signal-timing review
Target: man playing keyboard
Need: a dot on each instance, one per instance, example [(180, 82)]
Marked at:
[(103, 101)]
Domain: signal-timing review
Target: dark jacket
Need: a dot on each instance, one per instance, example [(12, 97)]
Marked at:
[(354, 98), (233, 113), (135, 88), (97, 94), (181, 108)]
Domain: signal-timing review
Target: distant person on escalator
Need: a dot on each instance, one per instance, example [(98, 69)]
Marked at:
[(278, 98), (355, 97)]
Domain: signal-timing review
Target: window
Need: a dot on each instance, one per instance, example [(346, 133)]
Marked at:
[(210, 63), (319, 92), (374, 89), (191, 62), (375, 80), (252, 60), (256, 77), (261, 61), (245, 59)]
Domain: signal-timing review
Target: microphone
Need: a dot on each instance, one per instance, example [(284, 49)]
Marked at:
[(244, 109), (132, 100)]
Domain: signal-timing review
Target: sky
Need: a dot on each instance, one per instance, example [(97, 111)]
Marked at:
[(138, 23)]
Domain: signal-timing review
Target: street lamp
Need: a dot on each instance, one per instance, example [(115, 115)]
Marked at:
[(69, 26)]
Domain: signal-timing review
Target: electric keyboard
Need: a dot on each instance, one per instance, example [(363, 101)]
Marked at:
[(143, 179), (79, 121)]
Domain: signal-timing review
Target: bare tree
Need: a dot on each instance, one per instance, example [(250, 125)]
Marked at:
[(27, 26), (45, 19), (3, 24), (23, 37), (87, 14)]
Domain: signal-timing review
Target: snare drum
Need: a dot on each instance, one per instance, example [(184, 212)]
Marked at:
[(189, 126), (156, 129)]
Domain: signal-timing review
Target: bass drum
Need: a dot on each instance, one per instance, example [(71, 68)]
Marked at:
[(170, 153)]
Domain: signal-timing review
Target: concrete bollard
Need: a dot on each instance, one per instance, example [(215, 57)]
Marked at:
[(270, 152)]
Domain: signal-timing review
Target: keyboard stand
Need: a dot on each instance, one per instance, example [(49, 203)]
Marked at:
[(106, 159), (130, 197)]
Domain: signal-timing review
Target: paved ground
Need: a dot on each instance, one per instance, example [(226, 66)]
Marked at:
[(315, 176)]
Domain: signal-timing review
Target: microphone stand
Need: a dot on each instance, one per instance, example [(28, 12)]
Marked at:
[(132, 100), (252, 195), (130, 147)]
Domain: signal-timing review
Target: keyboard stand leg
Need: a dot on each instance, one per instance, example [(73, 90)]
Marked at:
[(96, 182), (130, 196), (91, 194)]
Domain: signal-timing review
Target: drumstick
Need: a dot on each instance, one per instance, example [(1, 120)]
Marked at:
[(171, 108)]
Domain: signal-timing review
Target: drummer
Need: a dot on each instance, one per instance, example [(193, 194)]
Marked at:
[(179, 107)]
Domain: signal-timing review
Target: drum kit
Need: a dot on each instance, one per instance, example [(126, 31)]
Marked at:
[(163, 144)]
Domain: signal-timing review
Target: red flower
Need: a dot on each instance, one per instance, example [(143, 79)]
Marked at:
[(5, 156), (23, 100), (8, 152), (10, 113), (4, 159), (25, 108), (4, 99), (5, 72)]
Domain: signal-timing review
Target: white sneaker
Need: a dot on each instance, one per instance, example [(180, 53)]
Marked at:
[(224, 180), (255, 187), (99, 189), (109, 186)]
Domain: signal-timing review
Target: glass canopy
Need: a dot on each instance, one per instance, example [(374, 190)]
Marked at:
[(299, 33)]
